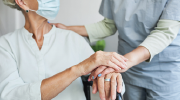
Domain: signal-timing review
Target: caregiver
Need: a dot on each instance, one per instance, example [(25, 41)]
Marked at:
[(148, 37)]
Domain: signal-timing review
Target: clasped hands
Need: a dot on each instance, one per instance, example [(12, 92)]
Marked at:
[(105, 66)]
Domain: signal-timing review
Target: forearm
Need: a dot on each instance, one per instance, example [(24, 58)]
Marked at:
[(137, 56), (163, 35), (54, 85), (81, 30)]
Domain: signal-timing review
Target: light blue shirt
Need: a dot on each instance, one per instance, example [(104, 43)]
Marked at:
[(135, 19), (23, 66)]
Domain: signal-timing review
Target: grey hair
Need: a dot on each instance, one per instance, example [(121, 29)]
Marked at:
[(12, 4)]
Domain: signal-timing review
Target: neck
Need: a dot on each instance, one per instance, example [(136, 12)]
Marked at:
[(37, 25)]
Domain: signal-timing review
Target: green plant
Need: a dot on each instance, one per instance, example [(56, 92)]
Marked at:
[(100, 45)]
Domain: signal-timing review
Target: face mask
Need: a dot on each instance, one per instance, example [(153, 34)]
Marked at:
[(48, 8)]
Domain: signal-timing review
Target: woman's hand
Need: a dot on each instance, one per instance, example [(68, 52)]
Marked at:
[(103, 70), (111, 59), (108, 89)]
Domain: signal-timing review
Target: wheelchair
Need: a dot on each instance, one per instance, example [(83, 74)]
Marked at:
[(87, 86)]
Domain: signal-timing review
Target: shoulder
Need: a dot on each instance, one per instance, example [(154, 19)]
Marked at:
[(70, 36), (77, 42)]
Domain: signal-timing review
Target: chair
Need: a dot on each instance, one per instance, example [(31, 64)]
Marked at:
[(87, 86)]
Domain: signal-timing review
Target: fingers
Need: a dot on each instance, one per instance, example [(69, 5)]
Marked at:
[(119, 83), (113, 65), (95, 86), (91, 76), (101, 88), (53, 23), (107, 87), (113, 87), (125, 59), (98, 71), (119, 63), (107, 71), (110, 59), (120, 58), (58, 25)]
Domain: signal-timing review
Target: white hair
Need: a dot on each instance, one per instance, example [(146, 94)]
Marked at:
[(12, 4)]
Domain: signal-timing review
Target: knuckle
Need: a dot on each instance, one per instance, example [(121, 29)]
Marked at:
[(101, 86), (111, 57), (98, 52), (107, 72), (102, 96), (113, 81), (95, 74), (108, 62), (106, 76), (121, 64), (101, 67), (114, 53)]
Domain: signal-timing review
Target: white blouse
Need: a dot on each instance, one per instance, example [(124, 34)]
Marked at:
[(23, 66)]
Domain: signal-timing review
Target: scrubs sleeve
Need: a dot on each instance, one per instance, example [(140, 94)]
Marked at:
[(12, 87), (105, 9), (172, 10), (163, 35), (100, 30)]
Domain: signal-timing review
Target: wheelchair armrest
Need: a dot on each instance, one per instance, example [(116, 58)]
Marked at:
[(87, 86)]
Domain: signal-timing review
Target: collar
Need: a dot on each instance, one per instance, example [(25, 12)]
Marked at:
[(29, 38)]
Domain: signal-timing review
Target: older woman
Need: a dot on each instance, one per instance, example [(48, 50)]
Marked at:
[(40, 61)]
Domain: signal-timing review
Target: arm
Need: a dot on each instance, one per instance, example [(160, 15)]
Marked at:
[(13, 87), (136, 56), (96, 31), (166, 31), (163, 35), (54, 85)]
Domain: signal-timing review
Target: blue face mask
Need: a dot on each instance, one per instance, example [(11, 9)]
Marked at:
[(48, 8)]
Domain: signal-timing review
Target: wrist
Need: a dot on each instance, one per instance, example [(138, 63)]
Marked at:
[(67, 27), (76, 71), (131, 59)]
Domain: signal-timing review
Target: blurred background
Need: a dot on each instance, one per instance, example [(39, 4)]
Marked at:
[(72, 12)]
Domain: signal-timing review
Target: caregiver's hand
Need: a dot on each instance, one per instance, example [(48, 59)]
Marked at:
[(81, 30), (103, 70), (133, 59), (111, 59), (59, 25), (107, 89)]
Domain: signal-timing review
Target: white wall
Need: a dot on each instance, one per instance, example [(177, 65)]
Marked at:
[(6, 19), (10, 19), (80, 12)]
